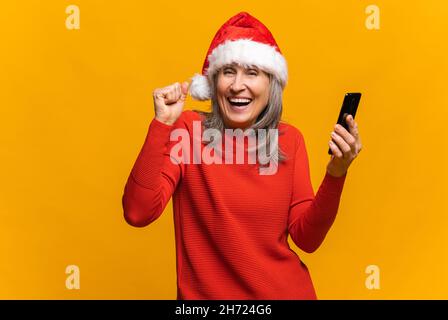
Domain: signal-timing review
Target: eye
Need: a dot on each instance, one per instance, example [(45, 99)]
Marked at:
[(227, 71), (252, 72)]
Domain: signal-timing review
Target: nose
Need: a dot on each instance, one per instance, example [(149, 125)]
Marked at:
[(238, 83)]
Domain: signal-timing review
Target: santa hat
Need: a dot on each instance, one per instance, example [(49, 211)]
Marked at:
[(244, 40)]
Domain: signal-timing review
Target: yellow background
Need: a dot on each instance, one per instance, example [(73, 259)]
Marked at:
[(76, 105)]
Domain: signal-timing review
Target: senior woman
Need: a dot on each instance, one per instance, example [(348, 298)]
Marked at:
[(231, 222)]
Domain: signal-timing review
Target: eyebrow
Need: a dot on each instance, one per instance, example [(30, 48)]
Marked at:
[(233, 65)]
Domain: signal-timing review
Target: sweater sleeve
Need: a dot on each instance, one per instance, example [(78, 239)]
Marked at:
[(310, 217), (153, 178)]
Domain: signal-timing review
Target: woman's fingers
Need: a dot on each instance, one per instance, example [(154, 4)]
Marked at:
[(341, 143), (171, 93), (169, 102), (353, 127), (348, 141), (184, 89), (345, 146), (335, 150), (347, 137), (178, 93)]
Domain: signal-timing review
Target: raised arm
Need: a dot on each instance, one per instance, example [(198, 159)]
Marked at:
[(154, 177)]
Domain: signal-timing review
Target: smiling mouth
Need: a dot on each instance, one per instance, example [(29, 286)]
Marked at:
[(239, 102)]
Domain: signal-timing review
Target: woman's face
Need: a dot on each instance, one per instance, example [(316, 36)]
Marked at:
[(242, 94)]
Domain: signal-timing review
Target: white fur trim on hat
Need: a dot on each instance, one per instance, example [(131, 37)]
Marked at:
[(200, 88), (248, 52)]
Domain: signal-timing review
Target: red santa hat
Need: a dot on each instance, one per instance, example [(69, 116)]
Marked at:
[(244, 40)]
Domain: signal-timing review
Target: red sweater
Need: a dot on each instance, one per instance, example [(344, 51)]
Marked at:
[(231, 223)]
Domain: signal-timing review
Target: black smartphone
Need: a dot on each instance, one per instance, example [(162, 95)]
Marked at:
[(349, 106)]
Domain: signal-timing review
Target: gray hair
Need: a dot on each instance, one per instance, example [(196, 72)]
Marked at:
[(269, 118)]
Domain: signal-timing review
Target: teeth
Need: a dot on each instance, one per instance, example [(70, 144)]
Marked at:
[(240, 100)]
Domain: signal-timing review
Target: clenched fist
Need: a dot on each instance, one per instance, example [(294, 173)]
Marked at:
[(169, 102)]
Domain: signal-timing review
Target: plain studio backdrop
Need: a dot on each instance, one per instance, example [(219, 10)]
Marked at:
[(76, 103)]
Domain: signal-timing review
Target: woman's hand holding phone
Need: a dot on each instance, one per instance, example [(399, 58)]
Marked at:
[(345, 146)]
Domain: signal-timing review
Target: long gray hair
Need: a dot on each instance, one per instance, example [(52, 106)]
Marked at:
[(268, 119)]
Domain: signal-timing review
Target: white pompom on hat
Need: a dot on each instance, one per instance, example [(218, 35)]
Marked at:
[(244, 40)]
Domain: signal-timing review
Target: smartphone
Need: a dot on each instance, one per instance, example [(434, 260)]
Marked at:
[(349, 106)]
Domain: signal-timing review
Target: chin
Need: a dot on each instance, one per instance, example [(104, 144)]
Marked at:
[(239, 123)]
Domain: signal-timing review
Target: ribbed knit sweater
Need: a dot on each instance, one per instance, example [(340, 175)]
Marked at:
[(232, 223)]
